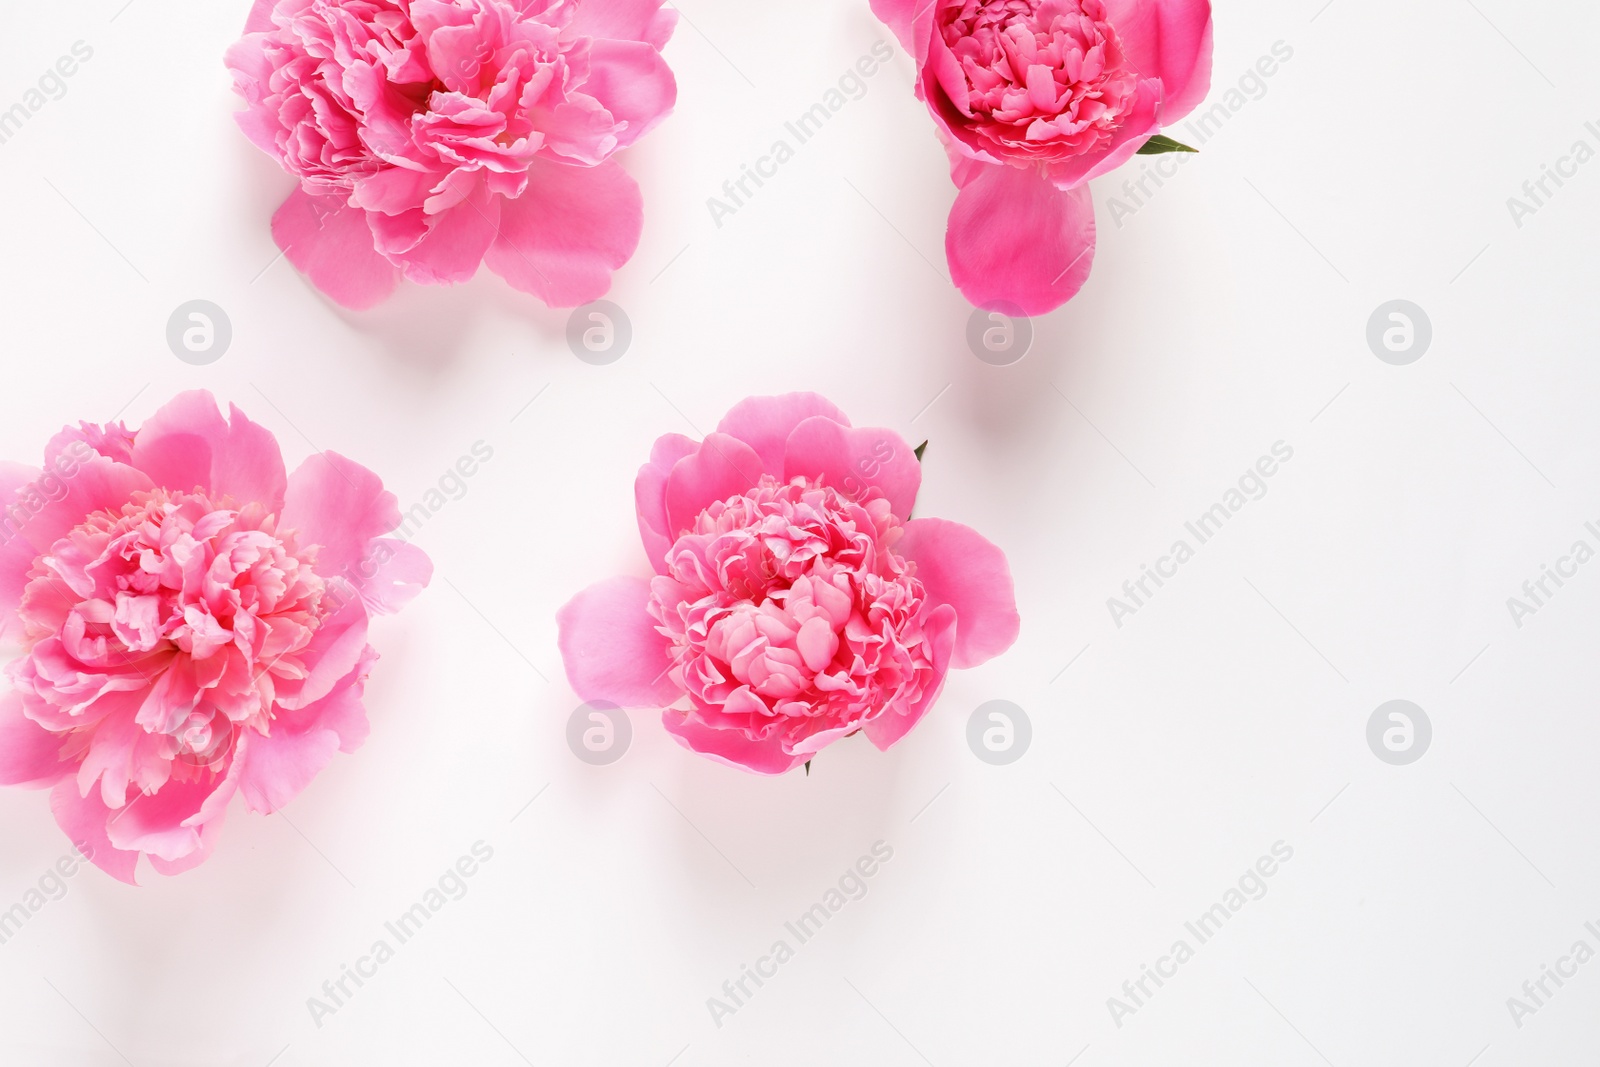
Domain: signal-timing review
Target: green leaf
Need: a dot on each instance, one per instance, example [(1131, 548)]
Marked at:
[(1161, 143), (919, 450)]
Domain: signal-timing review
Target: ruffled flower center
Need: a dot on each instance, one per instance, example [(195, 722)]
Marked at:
[(788, 610), (1045, 79), (186, 608)]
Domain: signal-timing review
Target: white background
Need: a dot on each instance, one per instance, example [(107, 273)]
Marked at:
[(1226, 314)]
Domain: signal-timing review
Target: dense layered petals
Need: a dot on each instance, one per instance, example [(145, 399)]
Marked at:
[(784, 615), (612, 651), (431, 136), (1015, 239), (181, 639)]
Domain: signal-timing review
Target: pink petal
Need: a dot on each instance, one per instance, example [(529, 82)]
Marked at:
[(279, 766), (732, 747), (83, 819), (961, 568), (910, 20), (30, 755), (1169, 40), (391, 574), (210, 833), (1140, 124), (1016, 239), (260, 17), (341, 506), (568, 231), (624, 20), (650, 495), (941, 629), (765, 423), (336, 649), (633, 82), (610, 646), (166, 823), (722, 467), (853, 460), (188, 445), (453, 242), (331, 244)]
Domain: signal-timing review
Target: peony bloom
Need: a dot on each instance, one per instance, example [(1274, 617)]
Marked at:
[(193, 625), (430, 136), (1032, 98), (794, 601)]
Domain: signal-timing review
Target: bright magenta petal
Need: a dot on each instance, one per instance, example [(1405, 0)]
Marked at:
[(624, 20), (331, 244), (720, 468), (650, 495), (731, 747), (30, 755), (960, 567), (1016, 239), (633, 82), (340, 505), (188, 445), (765, 423), (853, 460), (941, 632), (1169, 40), (83, 819), (610, 646), (572, 226)]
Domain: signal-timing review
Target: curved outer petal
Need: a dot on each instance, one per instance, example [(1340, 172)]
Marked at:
[(338, 504), (732, 747), (765, 423), (167, 823), (260, 18), (610, 646), (721, 467), (331, 244), (1169, 40), (633, 82), (210, 833), (336, 649), (442, 249), (278, 766), (650, 495), (1015, 238), (960, 567), (624, 20), (911, 21), (571, 227), (941, 629), (188, 445), (853, 460), (30, 755), (391, 573), (83, 819)]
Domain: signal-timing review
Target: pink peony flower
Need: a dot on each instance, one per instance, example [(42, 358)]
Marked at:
[(193, 624), (794, 601), (430, 136), (1032, 98)]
